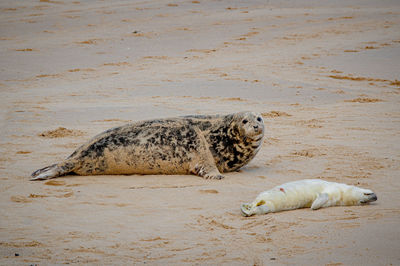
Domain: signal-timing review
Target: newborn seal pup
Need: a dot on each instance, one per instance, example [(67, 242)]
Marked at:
[(205, 145), (314, 193)]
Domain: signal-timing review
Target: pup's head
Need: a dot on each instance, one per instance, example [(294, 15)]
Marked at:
[(249, 125), (364, 196)]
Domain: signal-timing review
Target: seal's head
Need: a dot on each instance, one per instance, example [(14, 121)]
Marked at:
[(235, 139), (365, 195), (356, 196), (250, 125)]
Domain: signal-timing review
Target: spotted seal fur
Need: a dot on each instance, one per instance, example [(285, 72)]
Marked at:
[(313, 193), (205, 145)]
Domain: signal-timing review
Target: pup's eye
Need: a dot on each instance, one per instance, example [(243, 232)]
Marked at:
[(367, 194), (245, 121), (259, 119)]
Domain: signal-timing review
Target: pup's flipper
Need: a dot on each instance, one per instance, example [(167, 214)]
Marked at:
[(320, 201), (247, 210)]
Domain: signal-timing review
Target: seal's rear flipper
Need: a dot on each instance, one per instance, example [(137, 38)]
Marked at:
[(52, 171), (320, 201), (245, 208)]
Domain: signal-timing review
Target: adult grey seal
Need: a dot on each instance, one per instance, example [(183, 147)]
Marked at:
[(205, 145)]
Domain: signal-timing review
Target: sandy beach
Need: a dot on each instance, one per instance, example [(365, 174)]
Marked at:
[(325, 75)]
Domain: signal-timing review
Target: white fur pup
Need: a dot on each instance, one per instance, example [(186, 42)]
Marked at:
[(314, 193)]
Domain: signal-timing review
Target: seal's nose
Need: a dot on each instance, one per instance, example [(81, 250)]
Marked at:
[(373, 197), (255, 126)]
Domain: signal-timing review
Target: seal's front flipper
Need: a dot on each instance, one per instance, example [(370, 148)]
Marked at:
[(207, 171), (320, 201), (52, 171), (205, 163)]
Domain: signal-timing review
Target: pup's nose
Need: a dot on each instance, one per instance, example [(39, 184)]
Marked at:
[(373, 197), (255, 127)]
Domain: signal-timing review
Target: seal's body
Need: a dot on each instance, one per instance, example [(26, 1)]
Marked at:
[(202, 145), (314, 193)]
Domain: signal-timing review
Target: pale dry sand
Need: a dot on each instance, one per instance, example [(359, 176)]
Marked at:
[(325, 75)]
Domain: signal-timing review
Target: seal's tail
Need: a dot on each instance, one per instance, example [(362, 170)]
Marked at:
[(52, 171)]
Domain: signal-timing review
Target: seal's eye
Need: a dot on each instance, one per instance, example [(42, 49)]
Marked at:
[(259, 119), (245, 121)]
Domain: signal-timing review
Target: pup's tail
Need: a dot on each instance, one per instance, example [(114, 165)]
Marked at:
[(53, 171)]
